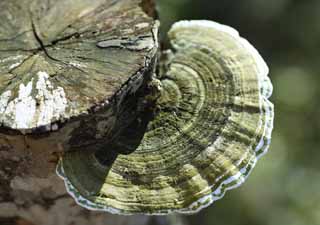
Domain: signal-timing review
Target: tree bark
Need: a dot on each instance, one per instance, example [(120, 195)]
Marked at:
[(71, 76)]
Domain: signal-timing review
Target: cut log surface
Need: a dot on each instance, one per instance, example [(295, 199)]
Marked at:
[(70, 75), (61, 59)]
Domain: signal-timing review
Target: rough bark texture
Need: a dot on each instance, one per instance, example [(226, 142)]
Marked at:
[(70, 75)]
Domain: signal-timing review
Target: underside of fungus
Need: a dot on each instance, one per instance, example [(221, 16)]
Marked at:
[(209, 122)]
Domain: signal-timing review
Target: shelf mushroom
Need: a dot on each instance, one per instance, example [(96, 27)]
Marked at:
[(209, 126)]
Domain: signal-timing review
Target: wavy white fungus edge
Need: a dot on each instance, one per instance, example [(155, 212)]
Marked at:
[(26, 111), (237, 179)]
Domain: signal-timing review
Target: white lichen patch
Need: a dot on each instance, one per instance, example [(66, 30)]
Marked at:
[(14, 65), (136, 44), (37, 104), (12, 61), (77, 64), (52, 102), (11, 58), (142, 25), (4, 98), (20, 111)]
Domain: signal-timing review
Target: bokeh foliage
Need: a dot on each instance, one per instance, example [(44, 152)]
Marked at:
[(284, 188)]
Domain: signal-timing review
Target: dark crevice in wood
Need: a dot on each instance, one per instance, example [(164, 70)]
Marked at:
[(43, 48), (76, 35), (21, 50)]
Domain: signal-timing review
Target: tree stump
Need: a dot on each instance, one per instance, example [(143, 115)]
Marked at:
[(71, 72), (80, 84)]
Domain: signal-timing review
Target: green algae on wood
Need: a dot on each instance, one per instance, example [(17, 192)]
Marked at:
[(202, 137)]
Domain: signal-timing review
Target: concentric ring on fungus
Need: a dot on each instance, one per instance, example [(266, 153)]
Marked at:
[(213, 122)]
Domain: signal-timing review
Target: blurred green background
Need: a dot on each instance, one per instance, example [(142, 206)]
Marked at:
[(284, 188)]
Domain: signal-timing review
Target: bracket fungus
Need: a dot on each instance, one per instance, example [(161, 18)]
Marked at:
[(201, 136)]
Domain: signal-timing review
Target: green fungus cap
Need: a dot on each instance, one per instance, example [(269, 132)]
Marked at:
[(213, 122)]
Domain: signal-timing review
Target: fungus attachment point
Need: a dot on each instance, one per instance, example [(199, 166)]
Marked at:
[(213, 121)]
